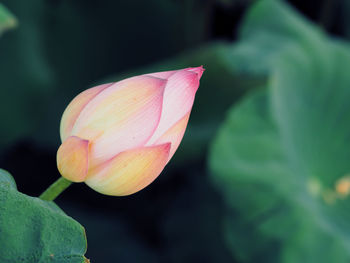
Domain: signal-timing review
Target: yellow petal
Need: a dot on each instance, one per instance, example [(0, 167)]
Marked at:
[(74, 108), (129, 171), (73, 159)]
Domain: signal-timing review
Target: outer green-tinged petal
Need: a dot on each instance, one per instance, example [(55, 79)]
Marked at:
[(129, 171), (73, 159), (122, 117), (74, 108)]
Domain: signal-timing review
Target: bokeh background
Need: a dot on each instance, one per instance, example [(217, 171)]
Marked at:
[(261, 175)]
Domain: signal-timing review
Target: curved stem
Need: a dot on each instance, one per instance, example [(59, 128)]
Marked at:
[(55, 189)]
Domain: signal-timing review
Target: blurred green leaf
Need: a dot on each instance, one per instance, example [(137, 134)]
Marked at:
[(7, 20), (268, 28), (281, 158), (36, 231)]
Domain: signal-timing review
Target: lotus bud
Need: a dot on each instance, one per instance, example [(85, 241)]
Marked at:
[(118, 137)]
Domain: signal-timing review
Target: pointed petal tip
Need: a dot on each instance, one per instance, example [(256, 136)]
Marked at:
[(165, 147), (194, 77), (198, 70)]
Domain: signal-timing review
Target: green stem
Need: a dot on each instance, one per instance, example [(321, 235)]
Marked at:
[(55, 189)]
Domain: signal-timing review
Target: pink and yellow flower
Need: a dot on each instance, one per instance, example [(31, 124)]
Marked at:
[(118, 137)]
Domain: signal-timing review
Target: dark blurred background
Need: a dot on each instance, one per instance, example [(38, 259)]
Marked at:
[(61, 47)]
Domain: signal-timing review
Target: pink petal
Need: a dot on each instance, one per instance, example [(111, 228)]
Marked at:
[(129, 171), (178, 100), (163, 74), (174, 135), (167, 74), (198, 70), (121, 117), (73, 159), (74, 108)]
